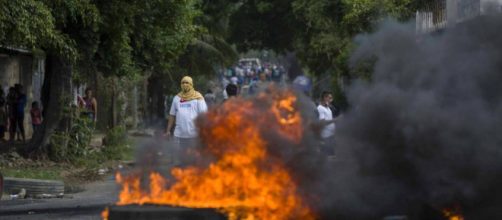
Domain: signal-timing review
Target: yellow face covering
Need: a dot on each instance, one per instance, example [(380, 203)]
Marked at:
[(187, 91)]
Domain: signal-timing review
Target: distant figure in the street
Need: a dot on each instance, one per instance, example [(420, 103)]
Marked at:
[(89, 106), (261, 85), (36, 116), (231, 90), (11, 112), (186, 106), (20, 106), (210, 98), (234, 80), (302, 85), (2, 97), (3, 115), (276, 74), (327, 121), (3, 120)]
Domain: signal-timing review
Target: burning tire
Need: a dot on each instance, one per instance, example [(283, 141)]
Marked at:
[(33, 187), (135, 212)]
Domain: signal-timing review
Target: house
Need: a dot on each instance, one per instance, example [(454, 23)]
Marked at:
[(437, 15)]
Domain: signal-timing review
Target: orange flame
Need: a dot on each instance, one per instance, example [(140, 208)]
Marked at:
[(105, 214), (452, 215), (246, 181)]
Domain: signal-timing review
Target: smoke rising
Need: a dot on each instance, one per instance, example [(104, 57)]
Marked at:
[(422, 135), (427, 130)]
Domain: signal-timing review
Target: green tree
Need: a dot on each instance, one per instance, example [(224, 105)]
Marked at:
[(210, 48), (262, 24), (320, 32), (116, 37)]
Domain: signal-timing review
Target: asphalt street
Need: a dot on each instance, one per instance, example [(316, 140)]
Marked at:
[(84, 205)]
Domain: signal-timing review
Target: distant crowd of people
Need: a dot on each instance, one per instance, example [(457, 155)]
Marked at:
[(250, 78), (12, 114), (189, 103)]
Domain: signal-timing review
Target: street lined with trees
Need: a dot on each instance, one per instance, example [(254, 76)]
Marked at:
[(111, 70)]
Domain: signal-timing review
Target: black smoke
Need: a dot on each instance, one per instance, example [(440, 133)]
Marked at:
[(426, 132)]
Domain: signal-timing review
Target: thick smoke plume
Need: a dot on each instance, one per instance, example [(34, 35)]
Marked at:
[(426, 132), (423, 135)]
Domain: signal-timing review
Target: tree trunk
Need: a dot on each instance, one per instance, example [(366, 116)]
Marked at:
[(134, 107), (113, 111), (156, 93), (56, 95)]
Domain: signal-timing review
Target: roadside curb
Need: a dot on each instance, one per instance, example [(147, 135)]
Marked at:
[(33, 187), (22, 211)]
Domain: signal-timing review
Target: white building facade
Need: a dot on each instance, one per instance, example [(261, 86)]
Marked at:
[(440, 14)]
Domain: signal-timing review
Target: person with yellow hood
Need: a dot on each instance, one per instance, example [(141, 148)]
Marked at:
[(186, 106)]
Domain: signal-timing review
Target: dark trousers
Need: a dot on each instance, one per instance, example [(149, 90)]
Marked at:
[(2, 131), (328, 146), (184, 151), (16, 124)]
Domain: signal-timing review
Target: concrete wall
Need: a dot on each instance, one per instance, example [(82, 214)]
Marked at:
[(9, 71)]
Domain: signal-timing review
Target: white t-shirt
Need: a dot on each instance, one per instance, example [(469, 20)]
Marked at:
[(234, 80), (326, 114), (185, 113)]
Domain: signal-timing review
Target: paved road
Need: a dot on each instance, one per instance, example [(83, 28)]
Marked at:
[(85, 205)]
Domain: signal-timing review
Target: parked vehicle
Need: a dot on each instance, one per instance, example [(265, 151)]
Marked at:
[(250, 62)]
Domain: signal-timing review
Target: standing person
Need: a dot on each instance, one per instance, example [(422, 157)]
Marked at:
[(210, 98), (231, 90), (2, 97), (261, 85), (36, 116), (3, 115), (11, 109), (3, 120), (20, 105), (328, 123), (186, 106), (89, 105)]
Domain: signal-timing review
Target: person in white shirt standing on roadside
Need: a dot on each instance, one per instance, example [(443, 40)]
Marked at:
[(327, 121), (186, 106)]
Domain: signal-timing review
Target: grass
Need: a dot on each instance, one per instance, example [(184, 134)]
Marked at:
[(82, 169), (52, 173)]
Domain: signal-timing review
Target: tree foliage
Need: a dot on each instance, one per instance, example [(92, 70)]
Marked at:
[(82, 37), (115, 37), (259, 24), (319, 31), (210, 48)]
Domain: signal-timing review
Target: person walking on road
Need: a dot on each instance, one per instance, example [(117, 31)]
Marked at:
[(186, 106), (231, 90), (327, 122), (210, 98)]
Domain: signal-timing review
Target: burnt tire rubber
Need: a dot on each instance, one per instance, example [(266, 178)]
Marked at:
[(33, 187), (154, 212)]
